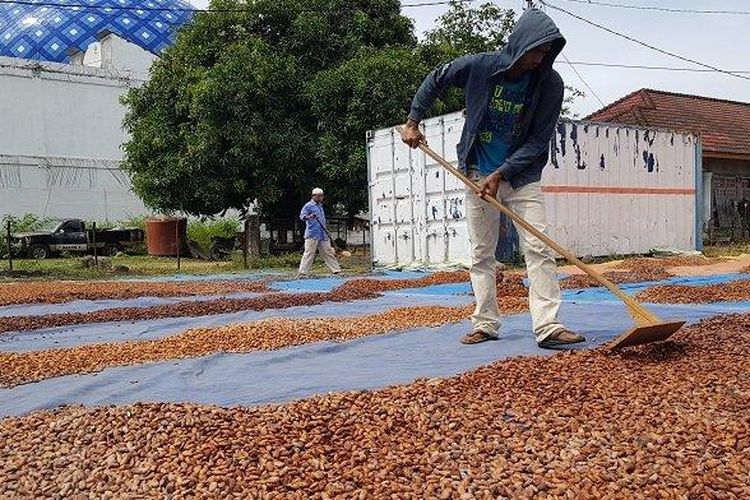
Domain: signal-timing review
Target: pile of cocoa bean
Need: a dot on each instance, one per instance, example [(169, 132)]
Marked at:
[(510, 285), (665, 420), (617, 277), (357, 289), (685, 294), (55, 292), (646, 264)]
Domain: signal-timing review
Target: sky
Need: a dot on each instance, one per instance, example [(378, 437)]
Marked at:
[(720, 40)]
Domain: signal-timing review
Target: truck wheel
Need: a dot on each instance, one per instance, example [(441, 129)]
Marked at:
[(218, 254), (39, 252), (110, 250)]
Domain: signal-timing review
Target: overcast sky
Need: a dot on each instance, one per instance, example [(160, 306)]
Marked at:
[(718, 40)]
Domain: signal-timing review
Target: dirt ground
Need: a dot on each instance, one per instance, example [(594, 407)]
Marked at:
[(725, 265)]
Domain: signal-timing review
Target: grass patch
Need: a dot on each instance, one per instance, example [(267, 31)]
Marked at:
[(145, 265), (732, 250)]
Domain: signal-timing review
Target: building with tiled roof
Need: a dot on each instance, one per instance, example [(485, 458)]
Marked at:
[(724, 129), (64, 65)]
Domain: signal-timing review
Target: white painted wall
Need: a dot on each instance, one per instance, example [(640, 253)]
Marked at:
[(60, 137), (117, 53), (620, 206)]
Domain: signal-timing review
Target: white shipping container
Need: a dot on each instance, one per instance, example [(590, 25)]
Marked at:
[(609, 190)]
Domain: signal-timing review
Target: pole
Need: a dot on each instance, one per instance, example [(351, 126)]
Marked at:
[(10, 251), (93, 237), (247, 240), (177, 240)]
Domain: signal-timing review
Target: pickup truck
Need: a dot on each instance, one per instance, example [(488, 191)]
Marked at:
[(71, 235)]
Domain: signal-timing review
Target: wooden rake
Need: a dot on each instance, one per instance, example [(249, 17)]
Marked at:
[(648, 326), (341, 253)]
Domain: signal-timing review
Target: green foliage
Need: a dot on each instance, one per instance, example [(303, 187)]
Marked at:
[(261, 105), (137, 221), (201, 230), (571, 96), (25, 223), (226, 117), (468, 30)]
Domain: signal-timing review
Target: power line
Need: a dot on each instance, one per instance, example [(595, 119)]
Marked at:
[(82, 6), (581, 78), (639, 66), (427, 4), (660, 9), (644, 44), (89, 7)]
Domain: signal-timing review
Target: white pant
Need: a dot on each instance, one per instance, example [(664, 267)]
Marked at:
[(326, 251), (484, 229)]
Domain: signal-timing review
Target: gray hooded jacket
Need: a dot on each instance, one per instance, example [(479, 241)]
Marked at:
[(476, 74)]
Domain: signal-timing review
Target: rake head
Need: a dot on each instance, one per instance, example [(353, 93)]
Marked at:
[(645, 334)]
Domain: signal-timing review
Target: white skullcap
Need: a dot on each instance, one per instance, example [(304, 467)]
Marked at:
[(317, 191)]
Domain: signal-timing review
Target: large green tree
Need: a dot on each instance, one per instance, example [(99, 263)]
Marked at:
[(228, 115), (263, 102)]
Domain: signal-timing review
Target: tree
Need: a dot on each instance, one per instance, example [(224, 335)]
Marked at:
[(264, 103), (370, 91), (571, 96), (469, 30), (226, 117)]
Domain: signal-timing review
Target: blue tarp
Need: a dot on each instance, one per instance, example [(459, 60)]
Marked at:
[(75, 335), (85, 306), (293, 373), (278, 376), (600, 293)]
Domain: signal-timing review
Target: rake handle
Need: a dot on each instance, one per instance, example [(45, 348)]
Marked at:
[(330, 238), (639, 312)]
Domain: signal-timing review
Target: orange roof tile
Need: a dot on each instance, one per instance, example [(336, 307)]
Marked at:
[(724, 126)]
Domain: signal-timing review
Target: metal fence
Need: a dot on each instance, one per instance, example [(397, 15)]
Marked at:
[(730, 211), (284, 235)]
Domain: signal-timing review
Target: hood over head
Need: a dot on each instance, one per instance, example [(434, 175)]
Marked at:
[(534, 28)]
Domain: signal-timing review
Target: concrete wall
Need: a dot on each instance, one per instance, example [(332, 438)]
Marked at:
[(60, 138), (119, 54)]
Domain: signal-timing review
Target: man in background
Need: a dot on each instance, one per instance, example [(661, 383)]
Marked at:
[(316, 237)]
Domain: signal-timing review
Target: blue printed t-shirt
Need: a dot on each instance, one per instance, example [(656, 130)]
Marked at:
[(501, 124)]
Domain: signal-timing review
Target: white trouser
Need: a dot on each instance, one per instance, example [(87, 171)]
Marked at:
[(326, 251), (484, 229)]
